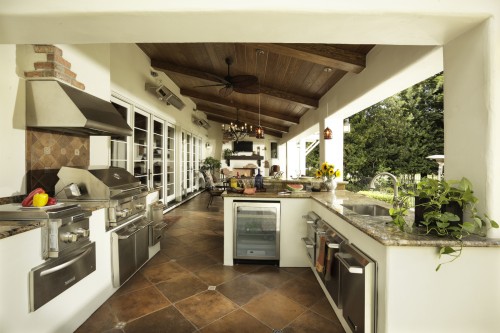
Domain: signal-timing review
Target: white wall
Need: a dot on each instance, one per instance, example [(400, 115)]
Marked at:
[(130, 70), (470, 101), (12, 125)]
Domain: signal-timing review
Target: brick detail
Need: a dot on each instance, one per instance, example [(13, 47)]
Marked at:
[(59, 59), (48, 49), (55, 66)]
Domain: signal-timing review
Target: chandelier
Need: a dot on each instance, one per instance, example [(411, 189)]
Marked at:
[(235, 131)]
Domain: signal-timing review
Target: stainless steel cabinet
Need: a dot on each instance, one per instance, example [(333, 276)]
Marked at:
[(256, 230)]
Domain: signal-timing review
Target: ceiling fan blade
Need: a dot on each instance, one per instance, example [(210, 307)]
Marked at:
[(243, 80), (254, 89), (226, 91), (211, 85)]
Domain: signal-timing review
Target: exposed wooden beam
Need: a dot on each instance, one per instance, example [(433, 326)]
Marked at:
[(223, 120), (323, 54), (269, 91), (249, 108), (231, 116)]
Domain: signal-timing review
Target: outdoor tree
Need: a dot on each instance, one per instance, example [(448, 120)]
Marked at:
[(397, 134)]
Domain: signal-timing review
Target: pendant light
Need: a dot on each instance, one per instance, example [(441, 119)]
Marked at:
[(347, 126), (259, 131), (327, 133)]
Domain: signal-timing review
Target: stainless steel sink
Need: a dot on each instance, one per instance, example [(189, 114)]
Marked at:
[(368, 210)]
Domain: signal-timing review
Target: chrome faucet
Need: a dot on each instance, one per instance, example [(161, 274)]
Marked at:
[(395, 201)]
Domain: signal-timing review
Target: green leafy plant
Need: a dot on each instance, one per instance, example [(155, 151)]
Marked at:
[(210, 164), (436, 198)]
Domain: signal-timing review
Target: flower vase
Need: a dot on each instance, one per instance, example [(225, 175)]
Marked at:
[(330, 185)]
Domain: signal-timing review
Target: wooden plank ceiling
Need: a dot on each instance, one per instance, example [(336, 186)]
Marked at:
[(291, 78)]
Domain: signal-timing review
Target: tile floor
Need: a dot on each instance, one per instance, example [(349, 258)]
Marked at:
[(185, 287)]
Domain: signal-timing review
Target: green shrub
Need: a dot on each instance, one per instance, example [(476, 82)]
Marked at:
[(382, 196)]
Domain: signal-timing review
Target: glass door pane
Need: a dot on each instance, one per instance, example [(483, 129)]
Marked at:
[(141, 147), (170, 170), (256, 230), (158, 156)]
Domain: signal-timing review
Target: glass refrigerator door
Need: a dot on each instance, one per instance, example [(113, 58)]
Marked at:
[(257, 231)]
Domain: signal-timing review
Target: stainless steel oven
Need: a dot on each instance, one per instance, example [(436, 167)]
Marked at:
[(129, 248), (358, 288), (53, 277)]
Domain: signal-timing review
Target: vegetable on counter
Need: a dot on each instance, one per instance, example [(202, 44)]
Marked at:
[(40, 199), (28, 201)]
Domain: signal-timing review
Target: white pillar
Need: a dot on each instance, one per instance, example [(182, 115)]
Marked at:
[(472, 114), (334, 148)]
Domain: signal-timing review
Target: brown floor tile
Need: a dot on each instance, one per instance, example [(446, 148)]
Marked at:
[(295, 270), (136, 282), (311, 322), (324, 308), (177, 232), (208, 244), (163, 272), (270, 276), (196, 262), (137, 303), (244, 268), (202, 309), (217, 274), (102, 319), (309, 275), (177, 250), (242, 289), (167, 320), (274, 309), (239, 321), (181, 287), (217, 254), (159, 258), (302, 291)]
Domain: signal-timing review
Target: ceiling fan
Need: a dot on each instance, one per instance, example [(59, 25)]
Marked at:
[(245, 84)]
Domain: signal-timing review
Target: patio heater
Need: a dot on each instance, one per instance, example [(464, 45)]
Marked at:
[(440, 161)]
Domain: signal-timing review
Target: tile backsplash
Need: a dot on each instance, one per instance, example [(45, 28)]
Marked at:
[(48, 151)]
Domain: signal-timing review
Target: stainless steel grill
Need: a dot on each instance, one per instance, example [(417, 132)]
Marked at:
[(113, 188)]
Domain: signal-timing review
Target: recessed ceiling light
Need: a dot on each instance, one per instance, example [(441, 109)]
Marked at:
[(327, 69)]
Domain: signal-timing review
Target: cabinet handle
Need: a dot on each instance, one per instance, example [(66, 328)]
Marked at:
[(333, 245), (352, 269), (66, 264)]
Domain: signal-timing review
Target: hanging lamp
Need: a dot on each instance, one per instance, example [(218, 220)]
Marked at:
[(259, 131), (327, 133)]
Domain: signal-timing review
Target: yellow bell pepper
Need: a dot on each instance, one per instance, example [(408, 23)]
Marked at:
[(40, 199)]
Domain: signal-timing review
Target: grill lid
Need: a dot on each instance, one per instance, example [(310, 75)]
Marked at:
[(99, 182)]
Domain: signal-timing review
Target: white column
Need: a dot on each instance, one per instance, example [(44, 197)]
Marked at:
[(472, 114), (334, 148)]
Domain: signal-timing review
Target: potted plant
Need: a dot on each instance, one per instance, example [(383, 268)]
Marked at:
[(227, 154), (210, 164), (445, 209)]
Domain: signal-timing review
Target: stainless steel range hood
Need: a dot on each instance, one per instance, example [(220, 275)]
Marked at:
[(59, 107)]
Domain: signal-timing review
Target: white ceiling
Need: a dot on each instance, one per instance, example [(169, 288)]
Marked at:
[(427, 22)]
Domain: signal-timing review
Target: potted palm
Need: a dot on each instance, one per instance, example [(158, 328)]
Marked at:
[(445, 208)]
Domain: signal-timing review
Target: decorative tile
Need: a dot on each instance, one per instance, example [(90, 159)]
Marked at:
[(137, 303)]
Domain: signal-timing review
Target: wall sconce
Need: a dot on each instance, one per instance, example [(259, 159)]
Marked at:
[(347, 126), (208, 145), (327, 133)]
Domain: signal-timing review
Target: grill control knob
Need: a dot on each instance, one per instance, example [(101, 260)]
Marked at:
[(82, 232), (69, 237), (122, 213)]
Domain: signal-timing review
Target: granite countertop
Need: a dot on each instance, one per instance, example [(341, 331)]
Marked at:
[(379, 228), (11, 228)]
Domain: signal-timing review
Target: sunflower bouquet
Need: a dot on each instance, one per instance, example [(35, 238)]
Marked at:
[(327, 172)]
